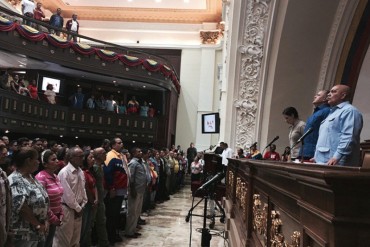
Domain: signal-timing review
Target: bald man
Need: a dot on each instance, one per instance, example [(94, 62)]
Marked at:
[(339, 135)]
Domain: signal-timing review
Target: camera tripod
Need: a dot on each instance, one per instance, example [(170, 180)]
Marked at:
[(210, 196)]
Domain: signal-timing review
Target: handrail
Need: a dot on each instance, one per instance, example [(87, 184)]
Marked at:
[(123, 48)]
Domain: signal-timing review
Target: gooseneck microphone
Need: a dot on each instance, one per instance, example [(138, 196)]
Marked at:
[(254, 144), (274, 140), (212, 181), (309, 131)]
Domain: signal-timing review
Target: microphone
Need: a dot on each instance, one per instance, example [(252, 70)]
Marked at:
[(304, 135), (254, 144), (212, 181), (274, 140)]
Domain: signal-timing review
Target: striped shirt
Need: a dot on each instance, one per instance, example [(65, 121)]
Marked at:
[(54, 189)]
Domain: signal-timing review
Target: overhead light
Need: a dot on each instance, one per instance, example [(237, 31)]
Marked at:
[(76, 137), (78, 85), (133, 141), (61, 136), (186, 1), (21, 65), (114, 81), (144, 86), (6, 131), (118, 91), (20, 72), (158, 1), (129, 0)]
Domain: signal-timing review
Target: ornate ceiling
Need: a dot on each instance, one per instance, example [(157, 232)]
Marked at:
[(156, 11)]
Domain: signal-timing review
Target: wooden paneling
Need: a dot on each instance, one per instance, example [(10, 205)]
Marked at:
[(286, 204)]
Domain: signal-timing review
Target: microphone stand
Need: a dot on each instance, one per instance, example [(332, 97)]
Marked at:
[(302, 158)]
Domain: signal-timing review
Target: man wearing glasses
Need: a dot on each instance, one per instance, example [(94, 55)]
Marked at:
[(116, 176)]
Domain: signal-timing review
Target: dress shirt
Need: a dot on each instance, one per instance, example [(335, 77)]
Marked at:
[(314, 121), (339, 136), (227, 153), (296, 131), (73, 183)]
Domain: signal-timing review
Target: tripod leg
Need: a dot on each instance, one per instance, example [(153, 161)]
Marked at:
[(187, 218), (222, 218)]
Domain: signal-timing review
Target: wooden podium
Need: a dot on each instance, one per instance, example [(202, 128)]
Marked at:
[(292, 205)]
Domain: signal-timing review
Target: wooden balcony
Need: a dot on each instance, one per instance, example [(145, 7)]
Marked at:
[(21, 114)]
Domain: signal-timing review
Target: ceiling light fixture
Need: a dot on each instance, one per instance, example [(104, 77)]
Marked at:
[(158, 1)]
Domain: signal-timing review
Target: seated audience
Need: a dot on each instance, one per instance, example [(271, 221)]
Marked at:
[(272, 154), (240, 153), (30, 200), (50, 94), (254, 153), (52, 185)]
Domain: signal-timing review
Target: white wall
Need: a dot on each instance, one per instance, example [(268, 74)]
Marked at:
[(361, 98), (199, 90)]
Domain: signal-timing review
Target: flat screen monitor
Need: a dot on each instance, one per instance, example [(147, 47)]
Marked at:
[(55, 82), (210, 123)]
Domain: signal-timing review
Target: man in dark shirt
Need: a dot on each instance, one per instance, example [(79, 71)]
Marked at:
[(56, 20), (190, 155)]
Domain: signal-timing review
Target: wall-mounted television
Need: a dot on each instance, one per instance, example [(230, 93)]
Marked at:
[(210, 123), (53, 81)]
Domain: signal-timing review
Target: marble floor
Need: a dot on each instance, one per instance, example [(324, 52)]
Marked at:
[(166, 225)]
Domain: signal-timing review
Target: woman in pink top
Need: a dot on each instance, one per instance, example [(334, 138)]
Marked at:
[(55, 191)]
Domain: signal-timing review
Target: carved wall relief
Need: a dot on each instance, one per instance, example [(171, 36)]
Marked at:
[(251, 51)]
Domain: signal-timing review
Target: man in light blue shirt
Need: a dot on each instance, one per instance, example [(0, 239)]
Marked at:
[(339, 135)]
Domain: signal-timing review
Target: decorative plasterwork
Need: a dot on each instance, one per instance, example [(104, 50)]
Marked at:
[(251, 62), (210, 37)]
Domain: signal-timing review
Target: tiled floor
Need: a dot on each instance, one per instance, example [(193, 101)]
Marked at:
[(166, 225)]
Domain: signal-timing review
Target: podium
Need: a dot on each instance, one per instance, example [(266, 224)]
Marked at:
[(271, 203)]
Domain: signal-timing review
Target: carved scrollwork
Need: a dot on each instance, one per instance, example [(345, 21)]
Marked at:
[(259, 216), (277, 237), (251, 51), (210, 37)]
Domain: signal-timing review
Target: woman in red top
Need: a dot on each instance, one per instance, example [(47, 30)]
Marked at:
[(88, 217), (32, 89)]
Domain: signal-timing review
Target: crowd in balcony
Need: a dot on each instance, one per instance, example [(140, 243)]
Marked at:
[(59, 195), (77, 100)]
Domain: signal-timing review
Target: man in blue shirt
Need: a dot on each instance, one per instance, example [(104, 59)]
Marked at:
[(339, 135), (320, 112), (56, 20)]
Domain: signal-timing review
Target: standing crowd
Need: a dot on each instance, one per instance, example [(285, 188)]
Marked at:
[(55, 195)]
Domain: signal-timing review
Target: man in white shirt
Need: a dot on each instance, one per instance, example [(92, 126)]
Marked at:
[(27, 10), (74, 200), (72, 26), (226, 153)]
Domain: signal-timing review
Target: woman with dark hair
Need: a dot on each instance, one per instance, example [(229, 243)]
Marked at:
[(54, 189), (88, 217), (196, 169), (296, 130), (30, 200)]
